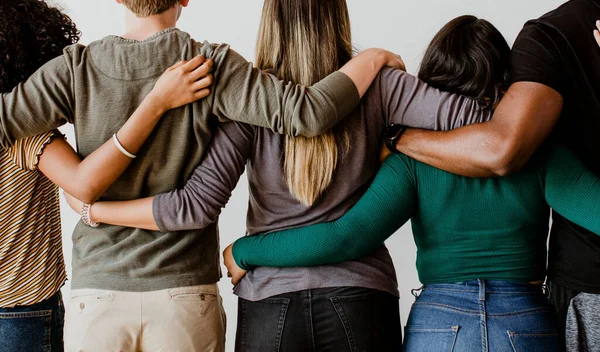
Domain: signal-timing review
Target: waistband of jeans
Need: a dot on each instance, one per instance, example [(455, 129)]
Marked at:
[(487, 286)]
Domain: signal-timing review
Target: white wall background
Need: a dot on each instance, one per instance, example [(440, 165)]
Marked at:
[(405, 27)]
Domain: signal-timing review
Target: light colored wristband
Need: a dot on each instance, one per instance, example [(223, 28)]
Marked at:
[(85, 216), (120, 147)]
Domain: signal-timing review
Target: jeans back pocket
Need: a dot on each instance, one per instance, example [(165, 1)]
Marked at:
[(424, 339), (536, 341), (260, 324), (26, 331)]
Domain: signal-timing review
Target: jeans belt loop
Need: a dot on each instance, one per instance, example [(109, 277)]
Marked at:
[(416, 292), (481, 290)]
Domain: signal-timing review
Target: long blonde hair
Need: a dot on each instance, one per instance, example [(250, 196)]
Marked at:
[(303, 41)]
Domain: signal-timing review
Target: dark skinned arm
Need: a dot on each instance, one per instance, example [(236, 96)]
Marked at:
[(522, 120), (501, 146)]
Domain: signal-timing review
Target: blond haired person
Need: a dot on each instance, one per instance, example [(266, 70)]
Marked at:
[(144, 290), (300, 181)]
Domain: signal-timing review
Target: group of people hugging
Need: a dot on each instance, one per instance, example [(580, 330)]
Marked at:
[(479, 151)]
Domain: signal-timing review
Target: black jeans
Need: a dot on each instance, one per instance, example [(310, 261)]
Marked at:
[(560, 299), (330, 319)]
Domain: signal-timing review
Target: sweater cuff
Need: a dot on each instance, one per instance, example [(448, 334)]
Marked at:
[(237, 250), (158, 213), (342, 91)]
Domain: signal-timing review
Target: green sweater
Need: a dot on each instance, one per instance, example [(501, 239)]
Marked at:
[(464, 228)]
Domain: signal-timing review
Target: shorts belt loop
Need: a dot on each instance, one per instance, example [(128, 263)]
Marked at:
[(481, 290)]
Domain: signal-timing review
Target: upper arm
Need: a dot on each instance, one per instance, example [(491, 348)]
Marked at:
[(246, 94), (43, 102), (533, 104), (31, 153), (388, 204), (523, 119), (59, 163), (411, 102), (200, 201)]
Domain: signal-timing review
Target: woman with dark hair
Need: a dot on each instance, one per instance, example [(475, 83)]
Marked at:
[(32, 268), (481, 242)]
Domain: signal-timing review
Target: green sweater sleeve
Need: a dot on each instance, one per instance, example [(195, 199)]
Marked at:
[(572, 190), (388, 203), (246, 94)]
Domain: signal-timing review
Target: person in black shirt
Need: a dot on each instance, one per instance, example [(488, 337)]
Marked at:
[(555, 93)]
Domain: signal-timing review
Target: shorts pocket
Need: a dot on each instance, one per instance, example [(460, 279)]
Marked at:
[(425, 339), (92, 295), (193, 297), (536, 341), (26, 331), (199, 298), (260, 324)]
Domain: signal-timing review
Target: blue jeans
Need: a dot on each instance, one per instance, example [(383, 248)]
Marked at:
[(335, 319), (34, 328), (482, 316)]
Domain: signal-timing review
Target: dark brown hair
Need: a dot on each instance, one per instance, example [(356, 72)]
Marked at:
[(468, 56)]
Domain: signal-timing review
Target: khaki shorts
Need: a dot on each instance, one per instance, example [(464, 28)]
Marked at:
[(179, 319)]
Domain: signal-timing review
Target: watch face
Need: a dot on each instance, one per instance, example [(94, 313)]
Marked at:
[(392, 131)]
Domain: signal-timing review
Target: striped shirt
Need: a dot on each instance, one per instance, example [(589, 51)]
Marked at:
[(32, 266)]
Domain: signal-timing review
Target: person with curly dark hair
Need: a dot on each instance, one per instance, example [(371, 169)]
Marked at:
[(32, 268), (135, 289)]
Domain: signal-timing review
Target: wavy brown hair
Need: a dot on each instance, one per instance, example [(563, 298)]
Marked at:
[(31, 34), (303, 41)]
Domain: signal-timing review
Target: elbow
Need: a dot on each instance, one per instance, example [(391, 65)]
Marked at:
[(311, 124), (505, 169), (505, 160), (310, 131), (84, 194)]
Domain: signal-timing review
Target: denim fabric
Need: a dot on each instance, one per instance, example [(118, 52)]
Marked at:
[(329, 319), (34, 328), (482, 316)]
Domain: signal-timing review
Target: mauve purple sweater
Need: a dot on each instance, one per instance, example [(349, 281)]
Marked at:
[(395, 97)]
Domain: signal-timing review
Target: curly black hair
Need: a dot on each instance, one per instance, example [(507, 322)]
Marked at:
[(31, 34)]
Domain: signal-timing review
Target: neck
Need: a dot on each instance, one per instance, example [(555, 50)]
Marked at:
[(140, 28)]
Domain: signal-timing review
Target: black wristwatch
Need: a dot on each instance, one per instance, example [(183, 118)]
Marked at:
[(392, 135)]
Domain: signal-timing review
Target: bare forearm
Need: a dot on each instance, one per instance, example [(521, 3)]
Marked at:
[(468, 151), (134, 213), (501, 146)]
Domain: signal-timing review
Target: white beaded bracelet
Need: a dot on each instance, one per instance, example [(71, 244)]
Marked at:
[(120, 147), (86, 216)]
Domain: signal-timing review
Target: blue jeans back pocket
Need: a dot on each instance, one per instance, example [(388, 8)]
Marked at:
[(25, 331), (260, 324), (537, 341), (424, 339)]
